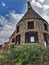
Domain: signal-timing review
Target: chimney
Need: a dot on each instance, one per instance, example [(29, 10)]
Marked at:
[(29, 5)]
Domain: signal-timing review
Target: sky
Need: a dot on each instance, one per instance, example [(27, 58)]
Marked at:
[(11, 11)]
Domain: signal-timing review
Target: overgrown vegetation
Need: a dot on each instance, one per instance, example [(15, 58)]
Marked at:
[(26, 55)]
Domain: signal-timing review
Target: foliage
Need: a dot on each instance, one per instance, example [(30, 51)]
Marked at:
[(27, 55)]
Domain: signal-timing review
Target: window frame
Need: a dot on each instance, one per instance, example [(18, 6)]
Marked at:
[(31, 25)]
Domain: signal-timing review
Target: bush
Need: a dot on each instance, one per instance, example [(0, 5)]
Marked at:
[(28, 55)]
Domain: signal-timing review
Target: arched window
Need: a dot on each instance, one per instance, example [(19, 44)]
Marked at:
[(31, 37)]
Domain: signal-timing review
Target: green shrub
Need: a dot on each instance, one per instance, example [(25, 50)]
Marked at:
[(28, 55)]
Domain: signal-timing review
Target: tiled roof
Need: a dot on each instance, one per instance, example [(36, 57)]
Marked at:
[(31, 14)]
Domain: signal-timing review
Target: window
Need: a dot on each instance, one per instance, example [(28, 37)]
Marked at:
[(18, 39), (31, 25), (45, 38), (45, 26), (17, 29), (48, 38), (0, 45), (13, 40), (31, 37)]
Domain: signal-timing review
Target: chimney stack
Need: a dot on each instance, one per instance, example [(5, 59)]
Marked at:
[(29, 5)]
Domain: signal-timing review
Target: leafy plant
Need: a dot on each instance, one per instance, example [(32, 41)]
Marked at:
[(27, 55)]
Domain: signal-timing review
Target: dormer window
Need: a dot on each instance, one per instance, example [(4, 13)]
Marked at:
[(17, 29), (45, 26), (31, 25)]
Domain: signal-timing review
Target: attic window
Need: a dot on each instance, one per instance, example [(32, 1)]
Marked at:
[(13, 40), (45, 26), (31, 25), (17, 29)]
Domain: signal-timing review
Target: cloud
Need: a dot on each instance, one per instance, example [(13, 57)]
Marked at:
[(45, 16), (45, 7), (41, 1), (8, 26), (42, 7), (3, 4), (16, 17), (38, 4), (41, 4)]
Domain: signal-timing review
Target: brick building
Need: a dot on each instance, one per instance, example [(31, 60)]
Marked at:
[(31, 29)]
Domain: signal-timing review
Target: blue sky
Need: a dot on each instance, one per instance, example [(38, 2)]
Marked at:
[(11, 11), (8, 5)]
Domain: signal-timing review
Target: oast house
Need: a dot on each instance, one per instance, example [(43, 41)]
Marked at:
[(31, 29)]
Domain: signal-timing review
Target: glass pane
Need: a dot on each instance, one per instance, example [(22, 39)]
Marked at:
[(32, 39), (45, 44)]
